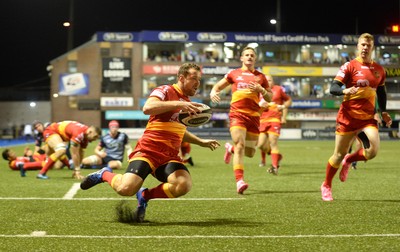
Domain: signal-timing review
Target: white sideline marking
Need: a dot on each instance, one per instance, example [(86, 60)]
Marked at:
[(71, 193), (38, 233), (201, 236), (126, 198)]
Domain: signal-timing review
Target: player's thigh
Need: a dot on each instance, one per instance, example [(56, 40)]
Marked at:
[(262, 140), (273, 139), (128, 184), (373, 138), (55, 141), (238, 135), (250, 144), (342, 144)]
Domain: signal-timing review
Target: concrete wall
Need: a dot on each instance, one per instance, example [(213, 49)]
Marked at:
[(20, 113)]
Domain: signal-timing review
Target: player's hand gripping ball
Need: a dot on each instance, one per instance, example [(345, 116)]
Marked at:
[(201, 118)]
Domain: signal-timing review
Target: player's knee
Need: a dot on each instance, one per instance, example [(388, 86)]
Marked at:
[(60, 149), (370, 154), (115, 164), (250, 152), (339, 156), (239, 147), (61, 152), (182, 188), (125, 190), (91, 160)]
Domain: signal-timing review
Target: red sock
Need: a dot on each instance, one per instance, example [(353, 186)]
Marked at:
[(356, 156), (64, 159), (275, 159), (157, 192), (239, 174), (108, 176), (330, 173), (49, 163)]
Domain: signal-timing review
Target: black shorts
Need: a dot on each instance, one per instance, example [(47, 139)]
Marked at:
[(142, 169)]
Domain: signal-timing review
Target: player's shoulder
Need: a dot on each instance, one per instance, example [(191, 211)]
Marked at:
[(235, 71), (378, 66), (160, 91), (278, 88), (123, 134)]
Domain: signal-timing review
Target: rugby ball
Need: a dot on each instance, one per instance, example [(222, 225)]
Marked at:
[(201, 118)]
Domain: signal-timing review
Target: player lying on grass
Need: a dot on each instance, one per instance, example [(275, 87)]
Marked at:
[(29, 161)]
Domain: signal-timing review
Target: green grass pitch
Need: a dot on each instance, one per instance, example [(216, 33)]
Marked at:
[(276, 213)]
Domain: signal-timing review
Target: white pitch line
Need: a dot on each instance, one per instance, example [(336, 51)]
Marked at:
[(72, 192), (38, 233), (125, 198), (199, 236)]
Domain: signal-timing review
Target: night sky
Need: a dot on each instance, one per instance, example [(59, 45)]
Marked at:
[(32, 33)]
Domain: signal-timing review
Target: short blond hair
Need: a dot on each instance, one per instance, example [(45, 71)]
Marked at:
[(248, 48), (366, 36)]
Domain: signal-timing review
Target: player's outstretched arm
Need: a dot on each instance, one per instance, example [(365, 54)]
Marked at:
[(209, 143)]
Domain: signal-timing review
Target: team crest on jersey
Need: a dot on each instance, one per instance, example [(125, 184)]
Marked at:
[(377, 74)]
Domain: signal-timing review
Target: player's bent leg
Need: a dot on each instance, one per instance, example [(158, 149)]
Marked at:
[(370, 141), (60, 150), (58, 165), (92, 161), (179, 183), (127, 184), (250, 147), (370, 153), (176, 182), (132, 180), (115, 164), (345, 169)]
